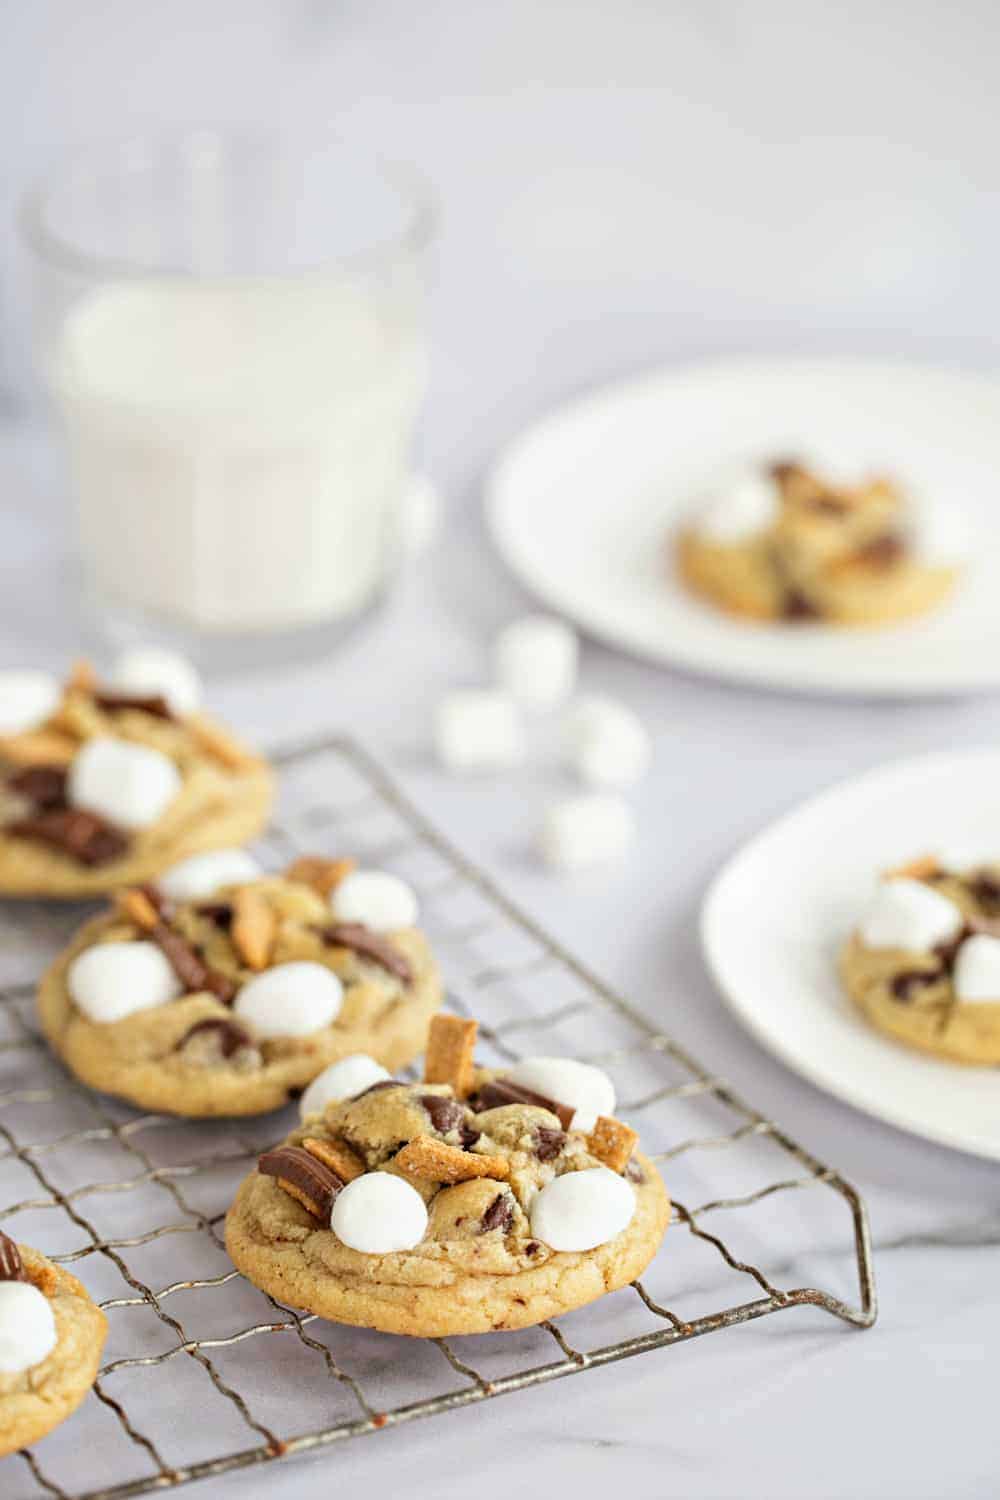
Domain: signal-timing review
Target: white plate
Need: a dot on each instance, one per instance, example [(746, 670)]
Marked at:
[(581, 505), (773, 920)]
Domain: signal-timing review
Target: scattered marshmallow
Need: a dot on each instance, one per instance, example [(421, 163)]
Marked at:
[(292, 999), (586, 830), (132, 785), (150, 671), (114, 980), (536, 660), (977, 969), (26, 700), (938, 532), (478, 729), (378, 1213), (906, 914), (378, 900), (344, 1079), (27, 1327), (743, 503), (582, 1210), (608, 745), (588, 1090), (204, 874)]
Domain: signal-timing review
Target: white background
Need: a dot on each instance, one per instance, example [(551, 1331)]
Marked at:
[(623, 183)]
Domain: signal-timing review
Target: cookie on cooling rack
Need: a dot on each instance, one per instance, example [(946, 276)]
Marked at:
[(220, 991), (103, 786), (779, 542), (471, 1202), (923, 964), (51, 1337)]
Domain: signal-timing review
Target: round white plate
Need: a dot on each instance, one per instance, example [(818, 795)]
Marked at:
[(581, 505), (774, 918)]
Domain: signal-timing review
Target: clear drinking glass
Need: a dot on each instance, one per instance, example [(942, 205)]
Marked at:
[(231, 327)]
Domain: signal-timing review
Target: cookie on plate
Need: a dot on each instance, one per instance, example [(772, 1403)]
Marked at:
[(779, 542), (105, 785), (471, 1202), (51, 1337), (220, 991), (924, 962)]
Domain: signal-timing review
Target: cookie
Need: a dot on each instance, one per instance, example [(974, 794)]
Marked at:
[(923, 965), (467, 1203), (781, 543), (102, 786), (229, 1001), (51, 1337)]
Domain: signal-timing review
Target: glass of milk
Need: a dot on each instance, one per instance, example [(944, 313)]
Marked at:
[(231, 328)]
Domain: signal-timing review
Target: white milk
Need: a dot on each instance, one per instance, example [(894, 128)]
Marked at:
[(240, 447)]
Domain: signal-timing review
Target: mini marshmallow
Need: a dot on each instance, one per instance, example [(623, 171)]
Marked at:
[(27, 1327), (131, 785), (293, 999), (743, 503), (378, 1213), (379, 901), (203, 874), (608, 745), (113, 980), (344, 1079), (906, 914), (535, 659), (150, 671), (26, 700), (587, 1089), (937, 532), (977, 969), (586, 830), (478, 729), (582, 1210)]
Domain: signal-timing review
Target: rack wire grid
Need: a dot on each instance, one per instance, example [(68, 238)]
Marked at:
[(136, 1202)]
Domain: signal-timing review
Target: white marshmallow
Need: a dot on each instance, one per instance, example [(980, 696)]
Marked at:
[(151, 671), (378, 1213), (27, 1327), (535, 660), (132, 785), (582, 1210), (344, 1079), (607, 744), (113, 980), (26, 700), (937, 532), (906, 914), (588, 1090), (478, 729), (203, 874), (293, 999), (376, 899), (586, 830), (977, 969), (743, 503)]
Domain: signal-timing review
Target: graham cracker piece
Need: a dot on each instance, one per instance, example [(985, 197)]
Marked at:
[(438, 1162), (220, 743), (324, 875), (82, 677), (915, 869), (38, 747), (136, 905), (612, 1142), (254, 927), (451, 1042), (336, 1155)]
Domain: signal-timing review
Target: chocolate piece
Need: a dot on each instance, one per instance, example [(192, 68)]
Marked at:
[(986, 890), (499, 1215), (827, 505), (948, 952), (189, 967), (152, 704), (903, 985), (548, 1143), (218, 912), (367, 944), (11, 1264), (796, 605), (373, 1088), (634, 1172), (82, 835), (501, 1091), (446, 1114), (882, 551), (314, 1180), (468, 1136), (787, 468), (45, 786), (231, 1036), (532, 1247)]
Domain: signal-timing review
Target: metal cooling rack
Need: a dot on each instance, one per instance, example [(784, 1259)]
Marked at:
[(205, 1374)]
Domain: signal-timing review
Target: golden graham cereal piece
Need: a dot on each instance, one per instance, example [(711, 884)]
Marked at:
[(451, 1042), (438, 1162)]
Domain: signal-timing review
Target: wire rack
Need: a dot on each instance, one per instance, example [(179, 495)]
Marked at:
[(135, 1203)]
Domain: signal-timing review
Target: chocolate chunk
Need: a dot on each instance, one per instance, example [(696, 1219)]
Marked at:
[(189, 966), (548, 1143), (796, 605), (218, 912), (367, 944), (787, 468), (501, 1091), (827, 505), (82, 835), (446, 1114), (904, 984), (45, 786), (948, 952), (882, 551), (532, 1247), (152, 704), (11, 1264), (634, 1172), (313, 1179), (499, 1215), (468, 1137), (373, 1088), (986, 890), (230, 1035)]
